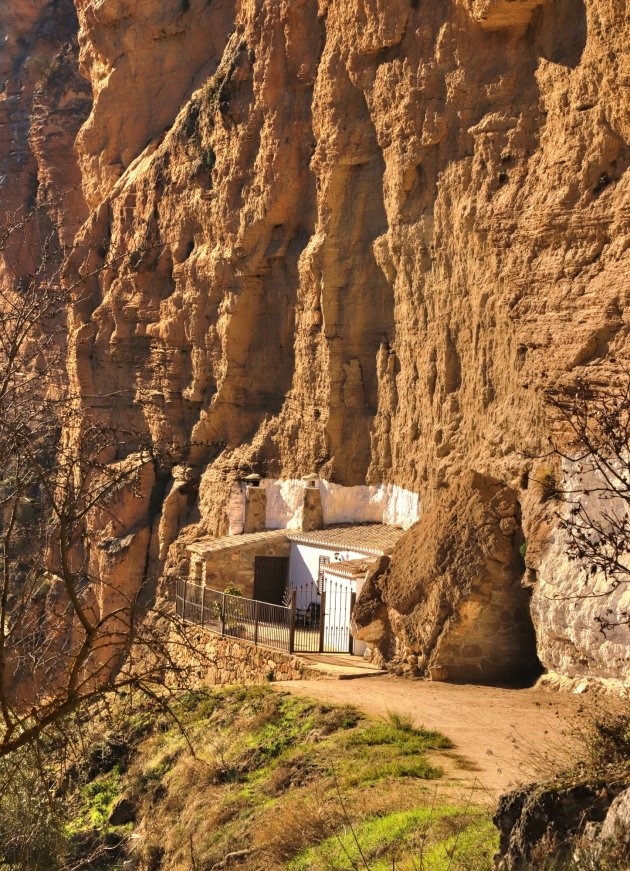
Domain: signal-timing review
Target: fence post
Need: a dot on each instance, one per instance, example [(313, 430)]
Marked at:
[(322, 621), (292, 621), (256, 606), (203, 605), (184, 606), (353, 602), (223, 616)]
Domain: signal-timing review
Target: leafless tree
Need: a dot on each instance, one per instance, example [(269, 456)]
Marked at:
[(592, 438), (68, 636)]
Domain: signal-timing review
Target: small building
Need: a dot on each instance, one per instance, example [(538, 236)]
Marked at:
[(343, 582), (294, 566), (335, 560), (256, 563)]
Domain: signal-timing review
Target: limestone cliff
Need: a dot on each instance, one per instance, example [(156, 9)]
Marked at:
[(356, 236)]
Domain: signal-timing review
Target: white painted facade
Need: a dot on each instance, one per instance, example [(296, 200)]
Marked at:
[(338, 618), (284, 503), (383, 503), (304, 568)]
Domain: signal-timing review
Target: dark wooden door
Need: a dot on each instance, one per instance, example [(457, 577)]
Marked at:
[(270, 578)]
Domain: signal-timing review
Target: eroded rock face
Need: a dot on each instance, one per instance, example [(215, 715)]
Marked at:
[(450, 603), (353, 236), (584, 825), (43, 103), (503, 14)]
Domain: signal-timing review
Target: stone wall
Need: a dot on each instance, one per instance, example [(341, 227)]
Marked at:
[(234, 567), (222, 661)]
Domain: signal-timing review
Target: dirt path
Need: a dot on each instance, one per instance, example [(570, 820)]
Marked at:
[(502, 737)]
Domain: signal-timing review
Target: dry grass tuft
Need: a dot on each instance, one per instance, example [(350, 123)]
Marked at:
[(295, 826)]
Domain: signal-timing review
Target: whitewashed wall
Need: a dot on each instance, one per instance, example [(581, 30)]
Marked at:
[(304, 567), (385, 503), (403, 507), (338, 618), (284, 503)]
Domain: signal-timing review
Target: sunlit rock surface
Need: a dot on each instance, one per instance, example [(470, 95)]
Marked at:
[(364, 235)]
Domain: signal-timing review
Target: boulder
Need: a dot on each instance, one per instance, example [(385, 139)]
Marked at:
[(452, 594), (577, 824)]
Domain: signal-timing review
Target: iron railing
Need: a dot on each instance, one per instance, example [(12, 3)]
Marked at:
[(307, 622)]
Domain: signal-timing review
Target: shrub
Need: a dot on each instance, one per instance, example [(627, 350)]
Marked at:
[(232, 590), (32, 833)]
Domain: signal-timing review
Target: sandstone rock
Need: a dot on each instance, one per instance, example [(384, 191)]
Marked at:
[(570, 639), (503, 14), (350, 236), (615, 829), (452, 591), (43, 103), (551, 819)]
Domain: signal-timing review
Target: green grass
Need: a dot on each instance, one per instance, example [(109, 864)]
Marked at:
[(98, 799), (367, 773), (407, 740), (430, 837), (278, 774)]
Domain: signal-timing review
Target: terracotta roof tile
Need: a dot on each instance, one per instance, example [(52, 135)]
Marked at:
[(367, 538), (227, 542)]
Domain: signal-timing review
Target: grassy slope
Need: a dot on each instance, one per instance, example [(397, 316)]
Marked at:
[(295, 784)]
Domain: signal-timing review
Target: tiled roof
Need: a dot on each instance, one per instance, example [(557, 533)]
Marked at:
[(352, 568), (209, 545), (368, 538)]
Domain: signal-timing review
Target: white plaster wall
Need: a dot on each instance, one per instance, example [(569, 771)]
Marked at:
[(362, 504), (338, 592), (284, 503), (385, 503), (338, 613), (403, 508), (304, 567), (564, 611)]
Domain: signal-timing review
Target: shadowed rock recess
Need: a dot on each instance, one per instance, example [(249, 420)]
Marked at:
[(367, 233)]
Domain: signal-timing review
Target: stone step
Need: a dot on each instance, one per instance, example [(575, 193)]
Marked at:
[(340, 666)]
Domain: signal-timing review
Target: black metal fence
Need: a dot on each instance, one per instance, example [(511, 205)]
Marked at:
[(308, 622)]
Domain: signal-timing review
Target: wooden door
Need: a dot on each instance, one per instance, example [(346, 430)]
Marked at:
[(270, 578)]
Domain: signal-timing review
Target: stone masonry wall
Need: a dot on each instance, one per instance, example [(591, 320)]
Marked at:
[(235, 567), (221, 661)]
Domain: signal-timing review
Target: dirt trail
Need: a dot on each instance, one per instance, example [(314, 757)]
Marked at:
[(502, 737)]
